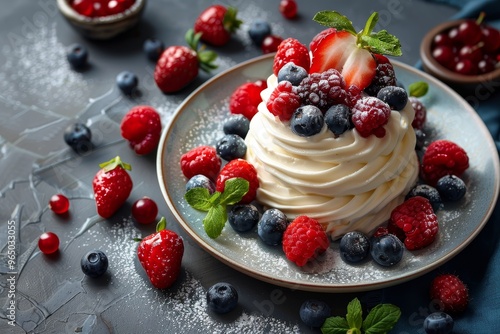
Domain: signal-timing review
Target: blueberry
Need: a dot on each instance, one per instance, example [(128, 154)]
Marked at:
[(396, 97), (127, 82), (243, 217), (258, 30), (307, 121), (78, 137), (338, 119), (236, 125), (231, 147), (438, 323), (77, 56), (271, 226), (222, 297), (428, 192), (354, 247), (313, 313), (387, 250), (421, 137), (292, 73), (200, 181), (94, 263), (153, 48), (451, 188)]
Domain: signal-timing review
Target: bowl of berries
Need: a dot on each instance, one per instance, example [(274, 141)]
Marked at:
[(101, 19), (465, 54)]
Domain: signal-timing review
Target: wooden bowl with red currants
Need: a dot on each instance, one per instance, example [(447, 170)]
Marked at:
[(465, 54)]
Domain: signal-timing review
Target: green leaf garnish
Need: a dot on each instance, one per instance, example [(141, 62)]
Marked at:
[(199, 199), (214, 221), (113, 163), (381, 319), (418, 88), (354, 314), (161, 225), (335, 325), (335, 20), (234, 190)]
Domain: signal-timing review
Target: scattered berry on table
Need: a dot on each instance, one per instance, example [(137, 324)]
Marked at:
[(338, 119), (48, 243), (354, 247), (141, 126), (449, 293), (313, 313), (369, 116), (417, 220), (216, 24), (243, 169), (387, 250), (396, 97), (243, 217), (291, 50), (384, 76), (420, 112), (200, 181), (94, 263), (160, 254), (429, 192), (231, 147), (145, 210), (438, 323), (245, 99), (59, 204), (112, 186), (153, 48), (201, 160), (293, 73), (304, 239), (78, 136), (270, 43), (271, 227), (283, 101), (307, 121), (127, 82), (323, 89), (451, 188), (443, 157), (77, 56), (258, 30), (222, 298), (236, 124), (288, 8)]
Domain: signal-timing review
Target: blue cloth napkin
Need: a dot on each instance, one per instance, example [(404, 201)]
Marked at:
[(479, 264)]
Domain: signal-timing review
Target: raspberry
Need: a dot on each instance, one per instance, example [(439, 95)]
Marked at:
[(304, 239), (283, 101), (291, 50), (416, 218), (201, 160), (420, 112), (369, 115), (380, 231), (141, 126), (323, 89), (449, 293), (245, 99), (384, 76), (239, 168), (443, 157)]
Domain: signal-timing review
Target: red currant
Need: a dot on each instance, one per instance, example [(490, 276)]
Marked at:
[(48, 243), (59, 204), (288, 8), (145, 210), (270, 43)]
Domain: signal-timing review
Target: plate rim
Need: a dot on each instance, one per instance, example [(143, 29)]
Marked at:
[(317, 286)]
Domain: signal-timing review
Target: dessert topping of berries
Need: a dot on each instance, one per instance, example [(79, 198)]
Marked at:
[(243, 217), (272, 226), (293, 73), (369, 116), (291, 50), (384, 75), (449, 293), (216, 24), (283, 101), (239, 168), (354, 247), (307, 121), (236, 125), (141, 126), (441, 158), (201, 160), (231, 147), (246, 98)]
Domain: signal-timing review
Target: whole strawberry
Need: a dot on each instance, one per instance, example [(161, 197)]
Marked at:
[(178, 65), (239, 168), (216, 24), (160, 255), (112, 186), (141, 126), (449, 293)]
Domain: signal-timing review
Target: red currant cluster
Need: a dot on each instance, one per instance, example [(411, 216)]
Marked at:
[(98, 8), (470, 48)]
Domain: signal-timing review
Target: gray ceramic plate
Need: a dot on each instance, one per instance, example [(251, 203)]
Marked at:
[(199, 121)]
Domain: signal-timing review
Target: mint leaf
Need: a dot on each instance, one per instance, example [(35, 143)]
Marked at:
[(335, 20), (161, 225), (370, 24), (234, 190), (335, 325), (199, 198), (381, 319), (214, 221), (354, 314), (383, 43), (418, 88)]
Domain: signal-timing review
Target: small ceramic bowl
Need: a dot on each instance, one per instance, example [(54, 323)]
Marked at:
[(460, 82), (104, 27)]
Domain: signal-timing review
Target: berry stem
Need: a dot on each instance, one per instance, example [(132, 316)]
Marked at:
[(113, 163)]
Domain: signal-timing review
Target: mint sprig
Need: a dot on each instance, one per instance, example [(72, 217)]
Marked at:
[(216, 204), (381, 319)]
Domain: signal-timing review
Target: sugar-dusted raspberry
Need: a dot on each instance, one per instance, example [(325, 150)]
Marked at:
[(239, 168), (420, 113), (283, 101), (291, 50), (443, 157), (246, 98), (323, 89), (449, 293), (201, 160), (304, 239), (416, 218), (384, 76), (369, 115)]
